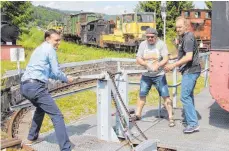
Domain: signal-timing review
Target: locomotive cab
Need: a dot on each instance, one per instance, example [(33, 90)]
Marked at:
[(135, 24), (130, 30)]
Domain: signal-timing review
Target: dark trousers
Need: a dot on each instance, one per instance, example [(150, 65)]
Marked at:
[(38, 94)]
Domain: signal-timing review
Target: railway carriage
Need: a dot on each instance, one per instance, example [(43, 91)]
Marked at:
[(200, 25)]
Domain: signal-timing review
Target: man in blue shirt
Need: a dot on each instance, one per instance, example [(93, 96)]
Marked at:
[(43, 65)]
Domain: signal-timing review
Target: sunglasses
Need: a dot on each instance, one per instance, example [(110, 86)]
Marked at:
[(148, 37)]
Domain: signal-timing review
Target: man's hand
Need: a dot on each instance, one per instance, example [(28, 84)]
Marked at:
[(169, 67), (153, 67), (70, 79)]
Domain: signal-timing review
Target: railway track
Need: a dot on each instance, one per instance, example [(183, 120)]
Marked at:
[(17, 123)]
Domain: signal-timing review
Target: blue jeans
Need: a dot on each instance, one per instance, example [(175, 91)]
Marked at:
[(187, 98), (159, 82), (38, 94)]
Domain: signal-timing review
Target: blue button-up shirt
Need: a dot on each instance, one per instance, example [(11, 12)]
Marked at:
[(43, 65)]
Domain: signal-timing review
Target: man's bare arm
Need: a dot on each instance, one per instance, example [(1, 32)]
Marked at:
[(184, 59), (163, 62), (172, 57), (141, 61)]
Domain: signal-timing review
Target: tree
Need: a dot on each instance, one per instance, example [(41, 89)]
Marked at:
[(173, 10), (19, 12), (208, 4)]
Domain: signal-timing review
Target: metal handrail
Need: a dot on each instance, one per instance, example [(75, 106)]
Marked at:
[(175, 84)]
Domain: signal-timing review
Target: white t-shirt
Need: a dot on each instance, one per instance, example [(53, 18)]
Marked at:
[(159, 49)]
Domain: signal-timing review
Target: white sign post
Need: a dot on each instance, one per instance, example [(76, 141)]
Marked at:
[(17, 54), (163, 15)]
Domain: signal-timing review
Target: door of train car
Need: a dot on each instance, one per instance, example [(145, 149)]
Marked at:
[(219, 57)]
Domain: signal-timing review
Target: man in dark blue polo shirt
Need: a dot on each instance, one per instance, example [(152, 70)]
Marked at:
[(189, 66)]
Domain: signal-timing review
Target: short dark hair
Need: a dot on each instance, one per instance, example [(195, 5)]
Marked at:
[(49, 32)]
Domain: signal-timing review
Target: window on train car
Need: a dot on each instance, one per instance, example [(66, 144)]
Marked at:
[(129, 18), (139, 18), (145, 18), (143, 28), (90, 27), (186, 14), (197, 14), (208, 15)]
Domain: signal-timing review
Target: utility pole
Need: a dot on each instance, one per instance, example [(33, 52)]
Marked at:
[(163, 15)]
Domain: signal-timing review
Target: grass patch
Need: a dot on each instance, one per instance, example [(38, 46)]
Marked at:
[(73, 107)]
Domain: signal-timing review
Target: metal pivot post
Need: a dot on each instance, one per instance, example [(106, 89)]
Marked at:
[(175, 88), (122, 85), (105, 130), (163, 14), (159, 108), (18, 61)]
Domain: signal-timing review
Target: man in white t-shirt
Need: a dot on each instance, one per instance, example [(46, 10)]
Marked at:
[(153, 55)]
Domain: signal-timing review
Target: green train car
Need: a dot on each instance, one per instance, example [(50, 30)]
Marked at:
[(73, 23)]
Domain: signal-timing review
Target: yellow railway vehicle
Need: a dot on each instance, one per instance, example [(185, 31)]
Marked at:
[(129, 30), (56, 25)]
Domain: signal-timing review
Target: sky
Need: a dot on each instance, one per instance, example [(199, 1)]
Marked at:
[(107, 7)]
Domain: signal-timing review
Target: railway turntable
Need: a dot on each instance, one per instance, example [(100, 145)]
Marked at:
[(109, 131), (213, 120)]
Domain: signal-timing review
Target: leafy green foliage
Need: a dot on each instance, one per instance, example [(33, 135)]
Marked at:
[(42, 16), (173, 10), (208, 4), (19, 12)]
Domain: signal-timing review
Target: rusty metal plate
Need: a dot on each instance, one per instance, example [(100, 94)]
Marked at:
[(219, 78)]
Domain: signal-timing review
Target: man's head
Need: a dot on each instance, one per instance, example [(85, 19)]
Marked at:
[(53, 37), (181, 25), (151, 35)]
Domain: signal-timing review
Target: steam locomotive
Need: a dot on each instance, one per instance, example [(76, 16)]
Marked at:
[(219, 57), (9, 32)]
